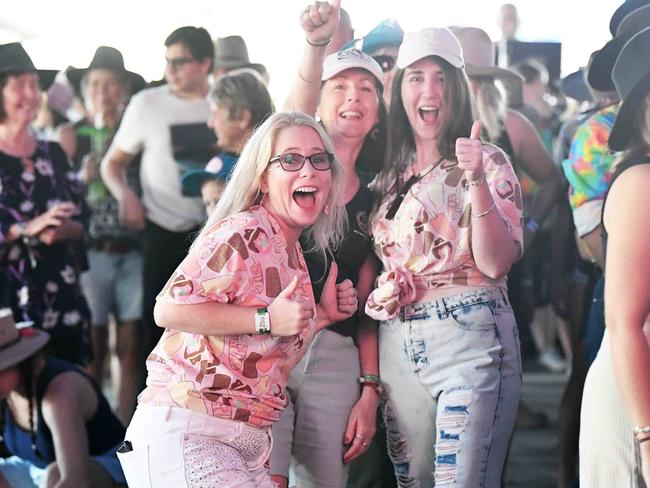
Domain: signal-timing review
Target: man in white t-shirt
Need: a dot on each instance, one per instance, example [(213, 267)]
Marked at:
[(168, 125)]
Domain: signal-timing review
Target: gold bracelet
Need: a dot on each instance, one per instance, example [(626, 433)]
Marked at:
[(482, 214)]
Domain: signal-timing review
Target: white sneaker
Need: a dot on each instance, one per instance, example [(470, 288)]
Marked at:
[(552, 361)]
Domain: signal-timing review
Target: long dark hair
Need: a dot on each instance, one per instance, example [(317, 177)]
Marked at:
[(401, 143), (27, 380), (639, 142)]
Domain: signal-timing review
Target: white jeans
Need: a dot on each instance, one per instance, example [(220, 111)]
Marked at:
[(452, 374), (177, 448)]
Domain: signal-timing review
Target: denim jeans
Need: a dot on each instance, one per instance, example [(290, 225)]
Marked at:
[(452, 374)]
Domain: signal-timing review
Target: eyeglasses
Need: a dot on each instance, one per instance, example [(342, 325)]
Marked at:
[(385, 62), (294, 162), (176, 63)]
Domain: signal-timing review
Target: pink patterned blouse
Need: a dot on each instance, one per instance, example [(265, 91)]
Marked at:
[(427, 244), (242, 260)]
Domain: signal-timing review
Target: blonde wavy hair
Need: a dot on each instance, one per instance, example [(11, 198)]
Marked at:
[(243, 187), (491, 105)]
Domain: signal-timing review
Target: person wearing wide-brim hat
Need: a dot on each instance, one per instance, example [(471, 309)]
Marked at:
[(14, 59), (113, 282), (42, 215), (54, 421), (231, 53), (615, 418), (111, 59)]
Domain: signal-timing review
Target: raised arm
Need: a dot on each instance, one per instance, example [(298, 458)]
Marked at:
[(318, 21)]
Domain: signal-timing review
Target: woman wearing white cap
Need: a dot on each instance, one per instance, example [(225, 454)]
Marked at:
[(615, 416), (447, 229), (334, 390)]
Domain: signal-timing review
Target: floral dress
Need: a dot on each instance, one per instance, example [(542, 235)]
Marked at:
[(40, 282)]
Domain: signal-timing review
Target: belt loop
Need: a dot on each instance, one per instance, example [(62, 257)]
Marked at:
[(441, 308)]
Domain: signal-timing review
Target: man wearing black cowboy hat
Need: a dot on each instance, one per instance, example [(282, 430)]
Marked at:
[(168, 124), (113, 283)]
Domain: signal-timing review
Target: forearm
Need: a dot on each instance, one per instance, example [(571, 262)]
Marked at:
[(368, 346), (208, 318), (493, 247), (547, 196), (305, 89), (114, 176)]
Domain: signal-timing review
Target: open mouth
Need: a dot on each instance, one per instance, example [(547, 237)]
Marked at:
[(429, 114), (351, 115), (305, 197)]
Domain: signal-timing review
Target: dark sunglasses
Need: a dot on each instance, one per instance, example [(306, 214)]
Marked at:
[(295, 162), (385, 62), (176, 63)]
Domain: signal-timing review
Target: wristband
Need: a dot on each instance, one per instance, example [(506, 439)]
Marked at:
[(642, 430), (318, 45), (477, 182), (371, 381), (262, 321)]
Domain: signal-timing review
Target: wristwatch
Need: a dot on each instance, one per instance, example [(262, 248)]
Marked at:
[(372, 381), (262, 321)]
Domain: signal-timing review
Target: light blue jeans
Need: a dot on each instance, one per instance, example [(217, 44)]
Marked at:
[(452, 373)]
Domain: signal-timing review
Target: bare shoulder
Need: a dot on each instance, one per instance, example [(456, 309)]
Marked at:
[(70, 391), (629, 196), (518, 125)]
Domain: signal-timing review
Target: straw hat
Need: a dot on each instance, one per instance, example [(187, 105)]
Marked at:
[(18, 344)]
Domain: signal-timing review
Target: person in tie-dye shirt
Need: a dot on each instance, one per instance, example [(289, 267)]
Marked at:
[(239, 312)]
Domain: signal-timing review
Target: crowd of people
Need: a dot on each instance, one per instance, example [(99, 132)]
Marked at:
[(342, 293)]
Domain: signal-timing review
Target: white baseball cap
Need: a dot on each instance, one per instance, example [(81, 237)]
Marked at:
[(350, 58), (432, 41)]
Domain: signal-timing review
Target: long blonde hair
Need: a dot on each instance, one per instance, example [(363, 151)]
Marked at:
[(243, 188)]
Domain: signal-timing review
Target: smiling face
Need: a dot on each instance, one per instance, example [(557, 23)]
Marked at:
[(348, 104), (423, 97), (21, 98), (296, 198)]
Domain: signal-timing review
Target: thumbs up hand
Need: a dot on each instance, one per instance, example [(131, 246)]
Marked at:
[(319, 21), (289, 315), (469, 153), (338, 301)]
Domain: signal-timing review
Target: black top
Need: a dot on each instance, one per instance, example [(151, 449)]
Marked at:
[(104, 429), (350, 254), (619, 170)]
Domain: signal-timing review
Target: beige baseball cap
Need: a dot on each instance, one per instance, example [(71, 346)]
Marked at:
[(432, 41), (350, 58)]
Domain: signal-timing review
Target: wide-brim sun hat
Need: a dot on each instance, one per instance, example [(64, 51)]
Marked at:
[(14, 58), (17, 344), (632, 80), (599, 73), (231, 53), (622, 12), (432, 41), (574, 86), (108, 58), (348, 59)]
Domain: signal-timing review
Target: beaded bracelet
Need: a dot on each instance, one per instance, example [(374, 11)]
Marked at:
[(318, 45), (642, 430), (477, 182)]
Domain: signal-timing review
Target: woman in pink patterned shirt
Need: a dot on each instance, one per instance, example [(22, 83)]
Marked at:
[(447, 229), (239, 311)]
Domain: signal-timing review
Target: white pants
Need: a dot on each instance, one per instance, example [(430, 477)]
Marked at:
[(177, 448)]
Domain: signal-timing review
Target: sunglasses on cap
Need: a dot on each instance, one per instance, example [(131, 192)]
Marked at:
[(385, 62)]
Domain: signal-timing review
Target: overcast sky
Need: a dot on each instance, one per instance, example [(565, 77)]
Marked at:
[(66, 32)]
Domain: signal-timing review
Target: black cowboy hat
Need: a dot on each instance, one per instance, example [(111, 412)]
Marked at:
[(106, 57), (632, 81), (623, 11), (14, 58), (599, 75)]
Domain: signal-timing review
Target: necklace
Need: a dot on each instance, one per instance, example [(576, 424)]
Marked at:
[(394, 207)]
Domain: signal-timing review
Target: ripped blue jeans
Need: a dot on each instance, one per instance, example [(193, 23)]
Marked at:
[(452, 374)]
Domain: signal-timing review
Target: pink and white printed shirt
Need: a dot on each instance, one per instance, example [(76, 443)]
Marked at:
[(242, 260), (427, 244)]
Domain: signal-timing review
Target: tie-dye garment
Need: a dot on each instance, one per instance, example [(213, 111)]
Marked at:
[(242, 260), (588, 168), (427, 244)]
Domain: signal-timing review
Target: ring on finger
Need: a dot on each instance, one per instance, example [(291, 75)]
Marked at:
[(364, 443), (361, 437)]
